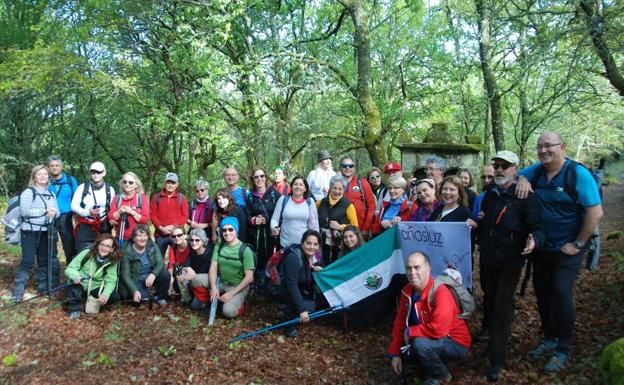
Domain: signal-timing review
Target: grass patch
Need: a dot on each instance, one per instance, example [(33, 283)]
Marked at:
[(13, 319), (14, 250)]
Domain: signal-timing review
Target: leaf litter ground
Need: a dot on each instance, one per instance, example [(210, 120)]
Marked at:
[(173, 345)]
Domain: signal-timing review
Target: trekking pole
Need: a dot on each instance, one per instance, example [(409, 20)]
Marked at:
[(50, 251), (49, 292), (294, 321), (121, 229)]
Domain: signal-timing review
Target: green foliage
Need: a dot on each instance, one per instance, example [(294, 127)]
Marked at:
[(615, 235), (167, 351), (9, 360), (612, 363)]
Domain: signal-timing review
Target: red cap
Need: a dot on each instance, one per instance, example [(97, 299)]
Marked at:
[(392, 167)]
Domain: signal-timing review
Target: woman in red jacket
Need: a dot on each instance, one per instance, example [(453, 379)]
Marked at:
[(398, 209), (130, 205)]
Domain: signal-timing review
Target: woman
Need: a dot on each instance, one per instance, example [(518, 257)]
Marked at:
[(94, 272), (298, 263), (200, 209), (280, 185), (130, 207), (374, 178), (397, 209), (234, 263), (226, 207), (178, 254), (295, 214), (196, 267), (454, 207), (351, 239), (259, 209), (335, 212), (425, 199), (38, 210), (142, 268), (467, 180)]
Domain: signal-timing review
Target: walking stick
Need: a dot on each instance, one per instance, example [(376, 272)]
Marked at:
[(294, 321), (50, 251), (213, 306), (121, 229), (49, 292)]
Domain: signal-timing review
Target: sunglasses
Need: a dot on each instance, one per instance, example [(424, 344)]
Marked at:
[(228, 229), (130, 182), (96, 172), (259, 176), (178, 235), (347, 165), (200, 190), (487, 177), (501, 166), (195, 240), (374, 177)]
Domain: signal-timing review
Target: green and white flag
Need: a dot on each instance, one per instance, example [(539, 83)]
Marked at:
[(365, 271)]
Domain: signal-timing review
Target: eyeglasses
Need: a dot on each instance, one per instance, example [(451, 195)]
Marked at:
[(96, 172), (374, 177), (195, 240), (227, 229), (130, 182), (178, 235), (200, 190), (503, 166), (547, 145), (104, 245), (259, 176), (347, 165)]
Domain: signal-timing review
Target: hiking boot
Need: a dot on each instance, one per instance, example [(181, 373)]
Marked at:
[(483, 335), (437, 381), (557, 362), (74, 314), (544, 347), (493, 375), (291, 332), (161, 302)]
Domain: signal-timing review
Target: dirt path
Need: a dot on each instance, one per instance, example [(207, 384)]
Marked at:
[(173, 345)]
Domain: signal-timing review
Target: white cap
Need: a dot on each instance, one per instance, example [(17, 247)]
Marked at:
[(507, 156), (97, 166)]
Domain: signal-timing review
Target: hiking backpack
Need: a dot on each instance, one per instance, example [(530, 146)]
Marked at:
[(241, 254), (274, 270), (139, 201), (464, 300), (12, 219), (85, 191), (569, 178)]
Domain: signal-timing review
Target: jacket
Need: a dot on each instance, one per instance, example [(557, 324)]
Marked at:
[(63, 189), (505, 225), (132, 202), (298, 278), (131, 266), (408, 208), (364, 201), (171, 210), (106, 272), (34, 204), (437, 320)]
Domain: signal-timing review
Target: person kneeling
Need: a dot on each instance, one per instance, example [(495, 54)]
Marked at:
[(142, 268), (434, 332), (94, 274), (196, 267), (234, 261)]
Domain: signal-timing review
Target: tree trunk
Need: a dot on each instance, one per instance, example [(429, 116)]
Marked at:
[(489, 80)]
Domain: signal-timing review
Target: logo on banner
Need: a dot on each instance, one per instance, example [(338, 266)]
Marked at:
[(373, 281)]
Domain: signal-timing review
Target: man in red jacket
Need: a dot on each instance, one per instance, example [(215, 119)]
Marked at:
[(168, 209), (431, 328), (360, 193)]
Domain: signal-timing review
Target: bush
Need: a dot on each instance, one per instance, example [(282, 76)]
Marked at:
[(612, 363)]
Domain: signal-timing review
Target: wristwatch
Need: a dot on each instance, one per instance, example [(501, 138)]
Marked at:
[(578, 244)]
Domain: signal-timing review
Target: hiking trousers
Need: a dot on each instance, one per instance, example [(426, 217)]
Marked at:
[(65, 229), (35, 246), (431, 353)]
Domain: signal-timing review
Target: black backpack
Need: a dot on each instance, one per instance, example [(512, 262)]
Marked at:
[(274, 270), (85, 191)]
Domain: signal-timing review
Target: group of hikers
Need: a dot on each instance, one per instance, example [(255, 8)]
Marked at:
[(214, 250)]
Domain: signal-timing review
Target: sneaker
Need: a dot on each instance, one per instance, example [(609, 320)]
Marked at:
[(493, 375), (161, 302), (74, 314), (291, 332), (483, 336), (544, 347), (557, 362)]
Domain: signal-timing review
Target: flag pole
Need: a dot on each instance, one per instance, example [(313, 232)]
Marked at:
[(294, 321)]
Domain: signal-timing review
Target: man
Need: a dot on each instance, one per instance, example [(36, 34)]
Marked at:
[(168, 210), (434, 332), (487, 179), (509, 230), (569, 215), (360, 193), (63, 187), (391, 169), (435, 167), (91, 204), (318, 179), (231, 180)]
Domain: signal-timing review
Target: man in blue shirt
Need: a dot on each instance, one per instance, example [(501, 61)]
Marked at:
[(568, 220), (63, 187), (231, 180)]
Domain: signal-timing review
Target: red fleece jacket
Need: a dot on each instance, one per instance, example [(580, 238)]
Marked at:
[(436, 322), (168, 211), (366, 215)]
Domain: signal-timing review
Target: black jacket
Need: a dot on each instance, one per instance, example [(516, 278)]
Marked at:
[(298, 278), (505, 226)]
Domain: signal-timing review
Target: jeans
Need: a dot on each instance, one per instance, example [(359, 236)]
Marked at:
[(35, 245), (554, 275), (65, 228), (499, 286), (431, 352), (161, 285), (163, 242), (76, 295)]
